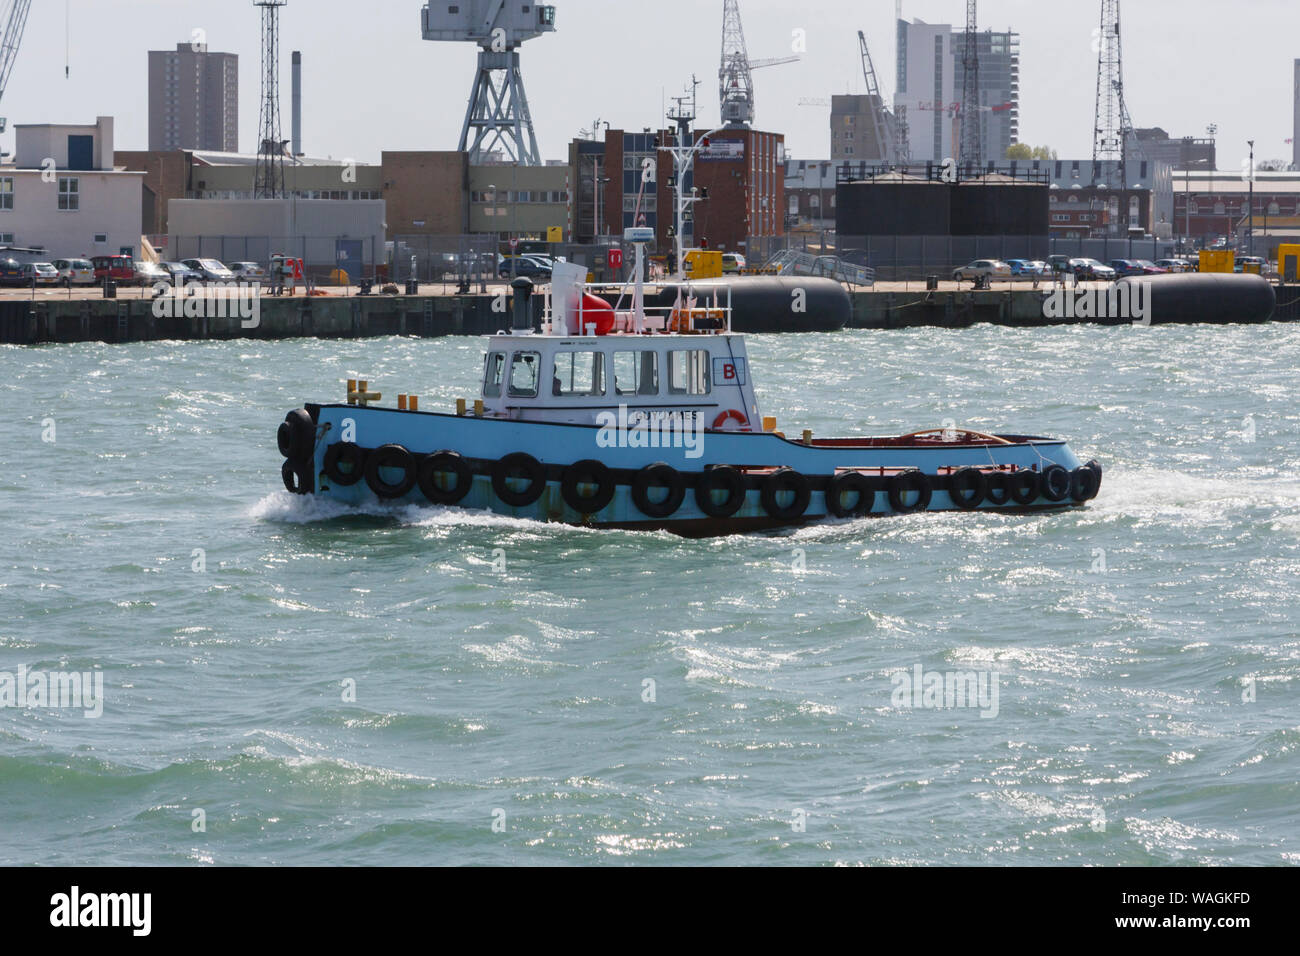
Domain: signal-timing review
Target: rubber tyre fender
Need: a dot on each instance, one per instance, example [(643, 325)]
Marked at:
[(904, 482), (721, 478), (1096, 467), (998, 491), (658, 474), (296, 437), (1084, 484), (847, 483), (297, 477), (1026, 485), (531, 468), (968, 487), (587, 471), (448, 462), (785, 479), (390, 456), (339, 453), (1056, 483)]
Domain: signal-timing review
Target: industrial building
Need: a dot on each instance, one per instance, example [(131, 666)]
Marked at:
[(930, 79), (193, 99), (1186, 152), (855, 133), (810, 195), (920, 202), (62, 192), (1209, 206)]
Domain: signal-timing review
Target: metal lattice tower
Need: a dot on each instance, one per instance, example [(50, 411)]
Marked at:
[(497, 120), (971, 149), (736, 74), (270, 146), (1109, 134), (735, 79)]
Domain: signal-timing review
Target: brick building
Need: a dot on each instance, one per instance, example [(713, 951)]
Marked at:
[(1207, 207)]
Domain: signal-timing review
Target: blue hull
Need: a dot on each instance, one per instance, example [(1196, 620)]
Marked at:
[(483, 442)]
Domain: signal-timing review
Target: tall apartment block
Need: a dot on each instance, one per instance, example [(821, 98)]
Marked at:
[(193, 99), (929, 86)]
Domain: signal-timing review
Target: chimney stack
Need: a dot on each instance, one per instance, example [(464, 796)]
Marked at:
[(297, 104)]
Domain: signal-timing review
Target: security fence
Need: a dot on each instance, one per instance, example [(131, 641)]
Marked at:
[(900, 258), (359, 258)]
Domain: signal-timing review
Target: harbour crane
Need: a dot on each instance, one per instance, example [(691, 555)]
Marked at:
[(884, 141), (735, 75), (15, 23)]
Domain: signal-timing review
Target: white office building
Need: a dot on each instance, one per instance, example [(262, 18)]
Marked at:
[(62, 192)]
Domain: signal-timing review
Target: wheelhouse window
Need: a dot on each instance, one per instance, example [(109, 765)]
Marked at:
[(688, 372), (636, 373), (493, 373), (524, 369), (579, 373)]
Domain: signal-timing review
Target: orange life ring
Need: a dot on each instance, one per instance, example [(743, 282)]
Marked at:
[(731, 415)]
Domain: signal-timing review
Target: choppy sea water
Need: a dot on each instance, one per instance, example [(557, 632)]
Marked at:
[(639, 698)]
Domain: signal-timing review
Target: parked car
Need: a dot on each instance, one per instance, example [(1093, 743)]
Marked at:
[(1173, 265), (523, 266), (151, 273), (1243, 261), (11, 272), (732, 262), (210, 270), (1126, 267), (118, 268), (992, 268), (1149, 268), (247, 271), (1058, 264), (1091, 269), (181, 274), (1027, 267), (40, 273), (75, 272)]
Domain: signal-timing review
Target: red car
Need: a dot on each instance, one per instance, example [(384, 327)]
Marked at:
[(117, 268)]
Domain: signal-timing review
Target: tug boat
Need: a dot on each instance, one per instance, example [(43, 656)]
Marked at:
[(628, 419)]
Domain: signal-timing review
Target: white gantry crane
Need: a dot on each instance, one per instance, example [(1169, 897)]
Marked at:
[(735, 75), (497, 116), (15, 22)]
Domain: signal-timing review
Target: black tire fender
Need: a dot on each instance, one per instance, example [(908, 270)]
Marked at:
[(968, 487), (297, 477), (390, 456), (905, 481), (444, 462), (341, 453), (847, 483), (296, 437), (1084, 484), (785, 479), (1056, 483), (587, 472), (660, 474), (1026, 485), (529, 468), (720, 478), (998, 490)]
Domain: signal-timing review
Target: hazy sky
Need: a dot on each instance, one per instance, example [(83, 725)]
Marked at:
[(371, 82)]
